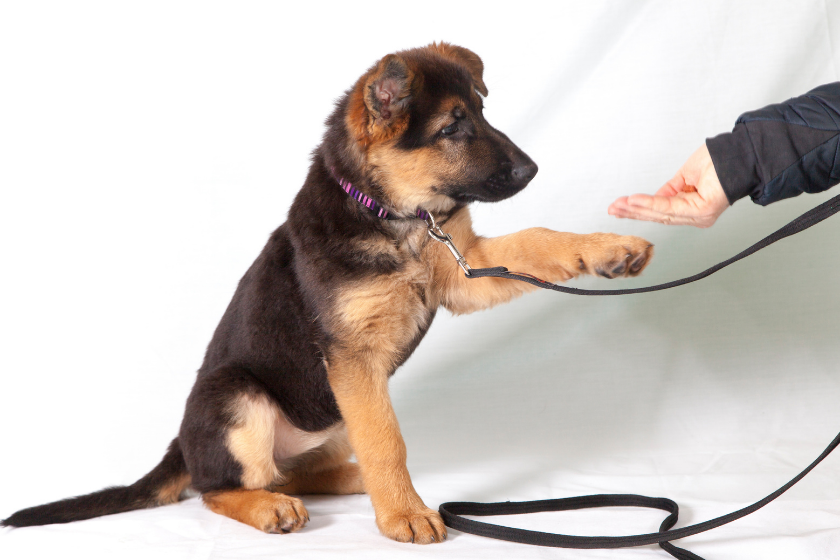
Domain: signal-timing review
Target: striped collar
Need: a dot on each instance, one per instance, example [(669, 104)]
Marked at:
[(433, 230), (375, 206)]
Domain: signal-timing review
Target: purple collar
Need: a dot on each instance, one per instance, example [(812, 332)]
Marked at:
[(434, 230), (375, 206)]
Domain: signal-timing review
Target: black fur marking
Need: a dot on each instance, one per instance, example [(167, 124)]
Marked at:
[(441, 81)]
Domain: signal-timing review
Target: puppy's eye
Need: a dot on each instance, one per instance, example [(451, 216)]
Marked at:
[(450, 130)]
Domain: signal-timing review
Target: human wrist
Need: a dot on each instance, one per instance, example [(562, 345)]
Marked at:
[(734, 162)]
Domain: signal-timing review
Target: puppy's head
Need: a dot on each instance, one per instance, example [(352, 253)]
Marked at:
[(415, 119)]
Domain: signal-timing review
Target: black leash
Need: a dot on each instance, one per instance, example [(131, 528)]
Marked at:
[(452, 511)]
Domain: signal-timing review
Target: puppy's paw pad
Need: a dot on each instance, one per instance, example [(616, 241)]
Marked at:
[(641, 261)]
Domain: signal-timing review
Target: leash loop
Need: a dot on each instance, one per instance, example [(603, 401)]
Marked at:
[(451, 512)]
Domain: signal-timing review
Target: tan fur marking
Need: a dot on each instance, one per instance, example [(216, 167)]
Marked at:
[(261, 509), (251, 440), (262, 437), (409, 177), (170, 492), (356, 118), (380, 317)]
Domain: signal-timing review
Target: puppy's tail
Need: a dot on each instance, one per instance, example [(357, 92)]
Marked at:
[(164, 485)]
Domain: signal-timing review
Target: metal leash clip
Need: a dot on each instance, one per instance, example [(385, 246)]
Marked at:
[(439, 235)]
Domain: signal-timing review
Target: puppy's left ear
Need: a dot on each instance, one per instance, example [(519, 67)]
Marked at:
[(465, 57), (387, 91)]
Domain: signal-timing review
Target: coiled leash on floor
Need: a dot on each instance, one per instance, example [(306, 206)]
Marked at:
[(452, 511)]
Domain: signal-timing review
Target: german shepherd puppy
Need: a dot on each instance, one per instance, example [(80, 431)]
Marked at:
[(295, 379)]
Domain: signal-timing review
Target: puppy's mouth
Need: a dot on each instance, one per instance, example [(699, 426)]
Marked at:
[(499, 186), (466, 198)]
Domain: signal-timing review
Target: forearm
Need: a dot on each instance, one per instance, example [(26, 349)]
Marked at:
[(782, 150)]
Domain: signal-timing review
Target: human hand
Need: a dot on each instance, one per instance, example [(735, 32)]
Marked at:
[(694, 197)]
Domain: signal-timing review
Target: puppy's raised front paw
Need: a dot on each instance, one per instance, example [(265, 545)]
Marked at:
[(610, 255)]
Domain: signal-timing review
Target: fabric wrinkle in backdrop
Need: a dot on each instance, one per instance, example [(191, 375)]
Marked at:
[(148, 150)]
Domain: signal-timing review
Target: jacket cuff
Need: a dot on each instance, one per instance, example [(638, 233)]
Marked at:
[(734, 159)]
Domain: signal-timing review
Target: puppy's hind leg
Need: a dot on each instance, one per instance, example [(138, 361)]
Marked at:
[(342, 479), (326, 469), (229, 432)]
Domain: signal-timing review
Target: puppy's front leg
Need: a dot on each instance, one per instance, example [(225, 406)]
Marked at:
[(361, 390), (547, 254)]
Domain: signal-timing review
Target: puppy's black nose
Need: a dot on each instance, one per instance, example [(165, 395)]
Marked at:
[(524, 172)]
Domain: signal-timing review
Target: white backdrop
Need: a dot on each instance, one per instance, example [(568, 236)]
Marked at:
[(147, 150)]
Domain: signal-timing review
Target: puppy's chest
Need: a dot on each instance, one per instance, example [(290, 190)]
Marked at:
[(389, 309)]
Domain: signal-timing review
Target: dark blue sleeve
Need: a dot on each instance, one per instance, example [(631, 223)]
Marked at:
[(782, 150)]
